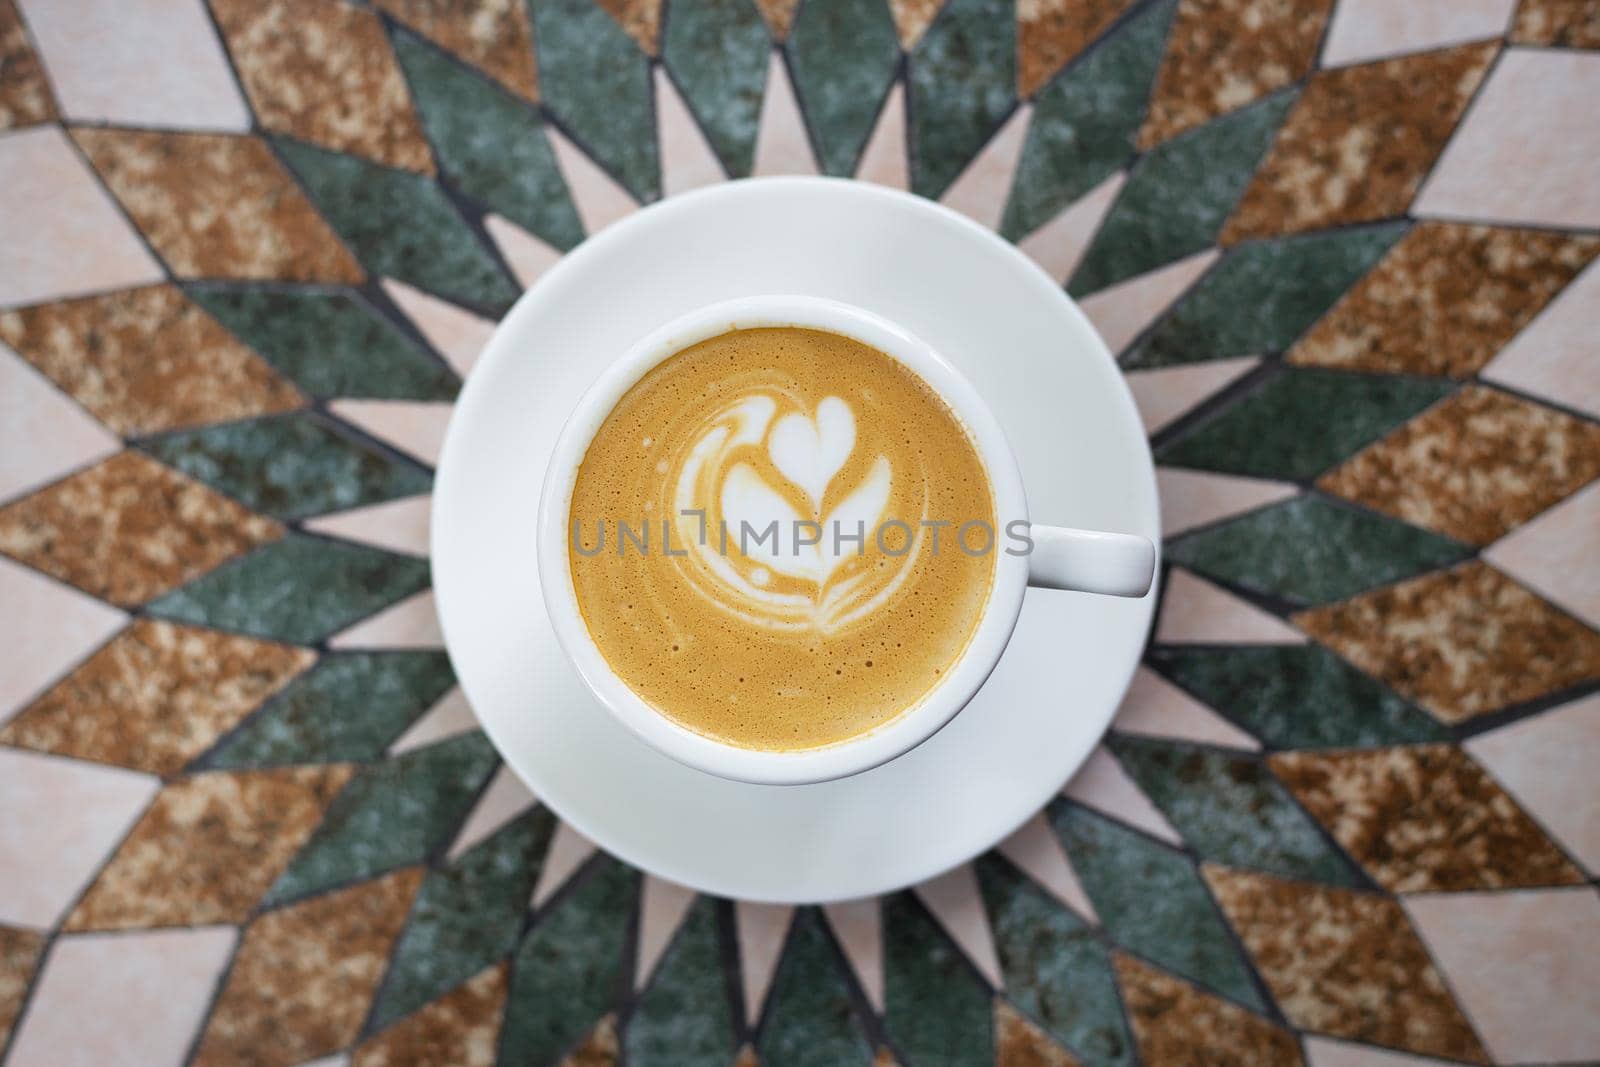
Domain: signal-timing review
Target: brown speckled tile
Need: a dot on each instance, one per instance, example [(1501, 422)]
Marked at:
[(146, 360), (1358, 143), (217, 206), (19, 957), (641, 18), (1460, 642), (1224, 54), (1176, 1025), (1474, 466), (1424, 819), (1445, 300), (208, 848), (601, 1048), (912, 18), (129, 529), (779, 15), (1564, 23), (1019, 1043), (322, 71), (24, 93), (461, 1028), (155, 696), (1050, 33), (1344, 963), (304, 976), (490, 34)]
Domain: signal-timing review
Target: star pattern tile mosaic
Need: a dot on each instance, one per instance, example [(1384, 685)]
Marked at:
[(1345, 253)]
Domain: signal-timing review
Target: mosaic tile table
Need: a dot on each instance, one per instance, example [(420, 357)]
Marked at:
[(1348, 815)]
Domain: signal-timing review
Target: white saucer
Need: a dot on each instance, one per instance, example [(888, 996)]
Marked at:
[(1032, 355)]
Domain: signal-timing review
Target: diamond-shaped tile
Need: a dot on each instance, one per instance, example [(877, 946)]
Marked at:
[(321, 70), (129, 529), (207, 848), (843, 54), (962, 84), (216, 206), (936, 1006), (25, 99), (809, 1014), (1176, 1024), (146, 360), (1359, 143), (718, 53), (1424, 819), (460, 1028), (1263, 295), (156, 697), (492, 35), (1426, 639), (1344, 963), (1223, 56), (1052, 33)]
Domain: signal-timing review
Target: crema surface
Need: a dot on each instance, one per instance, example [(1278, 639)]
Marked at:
[(777, 585)]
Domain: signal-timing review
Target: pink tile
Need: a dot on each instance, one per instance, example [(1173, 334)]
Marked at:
[(504, 800), (1122, 312), (1364, 30), (600, 201), (134, 999), (1554, 554), (1554, 356), (1326, 1052), (858, 924), (1036, 851), (1154, 707), (63, 627), (761, 930), (62, 818), (957, 905), (137, 63), (1103, 785), (1523, 967), (1166, 395), (1525, 151), (687, 160), (1547, 762), (884, 160), (1059, 244), (395, 525), (412, 623), (782, 145), (662, 907), (526, 255), (455, 333), (72, 239), (568, 851), (1196, 612), (979, 191), (451, 717), (1190, 499), (414, 428), (43, 435)]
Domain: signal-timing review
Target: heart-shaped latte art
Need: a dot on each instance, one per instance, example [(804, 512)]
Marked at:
[(810, 451)]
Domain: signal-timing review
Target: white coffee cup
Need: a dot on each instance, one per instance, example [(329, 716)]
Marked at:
[(1061, 558)]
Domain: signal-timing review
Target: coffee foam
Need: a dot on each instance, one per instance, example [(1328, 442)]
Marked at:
[(800, 639)]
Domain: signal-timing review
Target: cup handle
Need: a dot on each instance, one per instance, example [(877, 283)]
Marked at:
[(1090, 561)]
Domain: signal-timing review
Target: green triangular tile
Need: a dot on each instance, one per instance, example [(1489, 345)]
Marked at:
[(297, 589), (568, 972), (684, 1016), (345, 709), (1057, 971), (490, 144), (595, 79), (1263, 295), (390, 815), (289, 466), (1312, 550), (1297, 696), (844, 54), (1086, 121), (1152, 900), (717, 52), (401, 224), (962, 82), (1301, 422), (936, 1008), (1230, 809), (809, 1020), (331, 342), (1178, 196), (467, 916)]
